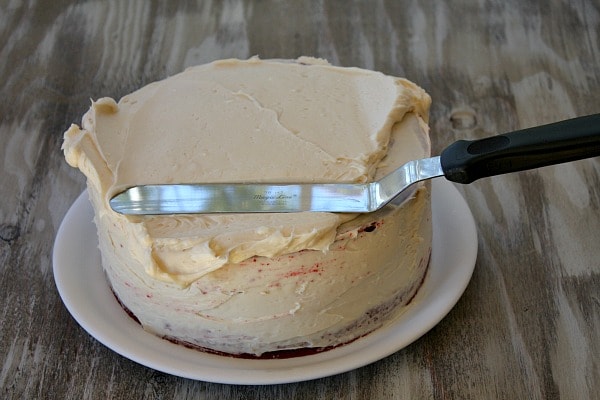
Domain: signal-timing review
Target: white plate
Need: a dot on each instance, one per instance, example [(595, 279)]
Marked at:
[(85, 292)]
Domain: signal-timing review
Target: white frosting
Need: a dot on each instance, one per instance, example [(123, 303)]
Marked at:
[(240, 283)]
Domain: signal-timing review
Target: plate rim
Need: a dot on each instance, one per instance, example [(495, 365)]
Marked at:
[(449, 207)]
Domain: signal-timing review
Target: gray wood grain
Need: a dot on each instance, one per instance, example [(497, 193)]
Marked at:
[(527, 326)]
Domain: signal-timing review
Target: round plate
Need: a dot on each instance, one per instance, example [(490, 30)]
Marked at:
[(85, 292)]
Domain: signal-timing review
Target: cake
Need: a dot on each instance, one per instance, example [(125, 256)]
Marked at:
[(259, 285)]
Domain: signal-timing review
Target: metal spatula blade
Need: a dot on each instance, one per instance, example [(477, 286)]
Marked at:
[(462, 162), (258, 197)]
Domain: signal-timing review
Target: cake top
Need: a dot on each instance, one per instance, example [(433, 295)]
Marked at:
[(251, 121)]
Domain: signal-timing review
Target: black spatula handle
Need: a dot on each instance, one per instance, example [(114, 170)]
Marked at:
[(574, 139)]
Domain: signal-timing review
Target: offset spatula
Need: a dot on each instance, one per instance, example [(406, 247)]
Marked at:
[(462, 162)]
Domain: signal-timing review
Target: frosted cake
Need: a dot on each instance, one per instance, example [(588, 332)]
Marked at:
[(259, 285)]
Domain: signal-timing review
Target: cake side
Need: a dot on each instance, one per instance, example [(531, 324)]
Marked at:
[(306, 299)]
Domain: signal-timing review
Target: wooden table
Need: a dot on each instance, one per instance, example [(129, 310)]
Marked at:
[(528, 325)]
